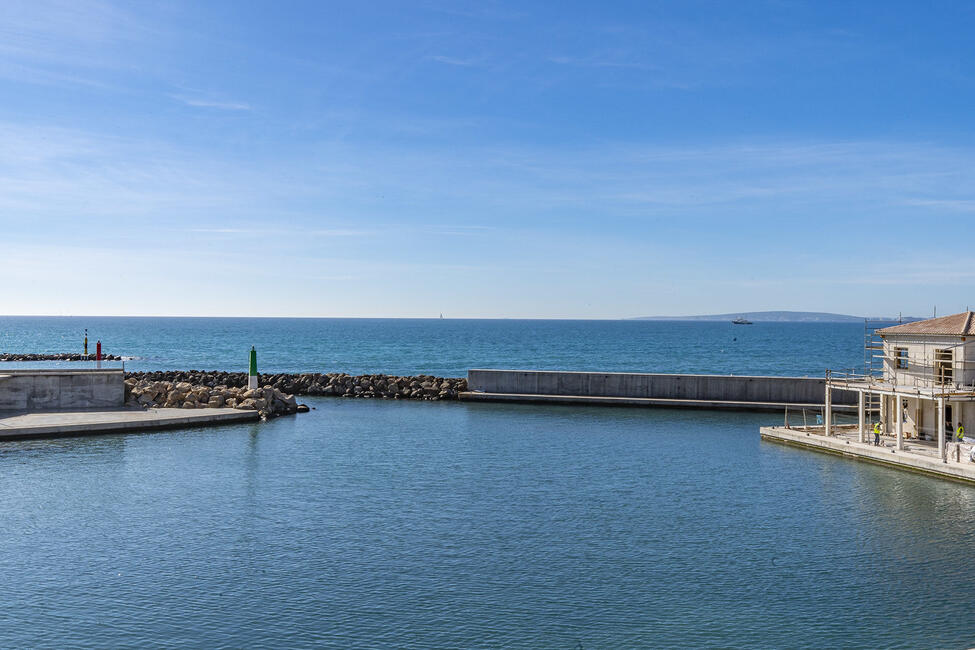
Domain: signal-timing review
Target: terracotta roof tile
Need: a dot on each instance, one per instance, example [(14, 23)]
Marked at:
[(962, 324)]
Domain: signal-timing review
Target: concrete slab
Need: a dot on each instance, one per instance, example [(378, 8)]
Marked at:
[(36, 424), (917, 456), (475, 396)]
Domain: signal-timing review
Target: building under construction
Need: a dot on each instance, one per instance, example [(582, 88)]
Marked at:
[(918, 381)]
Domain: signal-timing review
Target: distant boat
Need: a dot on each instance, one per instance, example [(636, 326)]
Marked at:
[(741, 321), (441, 316)]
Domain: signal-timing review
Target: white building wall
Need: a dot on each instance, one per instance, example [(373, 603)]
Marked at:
[(965, 363), (921, 359), (921, 416)]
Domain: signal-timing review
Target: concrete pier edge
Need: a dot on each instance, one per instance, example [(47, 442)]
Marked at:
[(21, 426), (638, 402), (960, 472)]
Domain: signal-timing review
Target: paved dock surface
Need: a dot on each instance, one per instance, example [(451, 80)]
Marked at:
[(476, 396), (20, 424), (917, 455)]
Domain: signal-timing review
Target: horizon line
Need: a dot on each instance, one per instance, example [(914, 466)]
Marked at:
[(699, 317)]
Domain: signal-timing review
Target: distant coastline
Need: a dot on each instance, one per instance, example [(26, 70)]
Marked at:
[(781, 317)]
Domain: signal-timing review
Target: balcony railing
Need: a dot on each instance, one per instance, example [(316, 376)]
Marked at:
[(897, 380)]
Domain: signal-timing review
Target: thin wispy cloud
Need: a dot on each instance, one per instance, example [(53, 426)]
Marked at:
[(225, 231), (61, 171), (456, 61), (223, 105), (912, 274), (461, 230), (954, 205), (45, 76), (341, 232), (603, 62), (58, 31), (284, 232)]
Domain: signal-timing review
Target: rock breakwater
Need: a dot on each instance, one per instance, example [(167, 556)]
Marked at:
[(57, 356), (422, 387), (267, 400)]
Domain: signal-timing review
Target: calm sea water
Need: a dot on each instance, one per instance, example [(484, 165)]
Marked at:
[(369, 524), (448, 347)]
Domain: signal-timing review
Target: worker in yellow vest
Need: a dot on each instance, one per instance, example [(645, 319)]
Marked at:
[(960, 434), (876, 433)]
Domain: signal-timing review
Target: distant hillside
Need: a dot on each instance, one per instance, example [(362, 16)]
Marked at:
[(776, 317)]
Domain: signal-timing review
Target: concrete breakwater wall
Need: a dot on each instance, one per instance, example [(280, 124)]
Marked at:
[(61, 389), (688, 388), (423, 387), (57, 356)]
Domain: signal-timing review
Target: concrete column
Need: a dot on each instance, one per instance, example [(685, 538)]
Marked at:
[(884, 417), (899, 405), (828, 417), (861, 414), (941, 428)]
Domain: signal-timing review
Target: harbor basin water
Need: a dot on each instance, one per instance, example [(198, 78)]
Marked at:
[(370, 523)]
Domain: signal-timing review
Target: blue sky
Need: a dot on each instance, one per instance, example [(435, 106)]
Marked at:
[(486, 159)]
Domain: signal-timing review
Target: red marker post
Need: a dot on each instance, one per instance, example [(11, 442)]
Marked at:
[(98, 353)]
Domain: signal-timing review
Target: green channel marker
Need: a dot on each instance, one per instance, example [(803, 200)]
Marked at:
[(252, 371)]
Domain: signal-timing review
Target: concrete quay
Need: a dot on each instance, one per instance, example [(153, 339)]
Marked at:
[(651, 389), (916, 455), (61, 389), (81, 422)]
